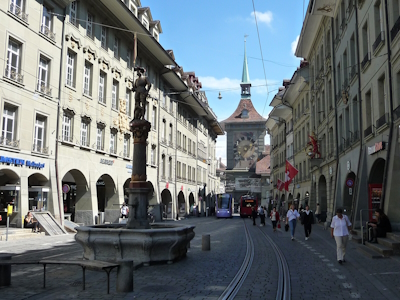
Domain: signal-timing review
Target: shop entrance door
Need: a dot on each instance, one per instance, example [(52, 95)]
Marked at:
[(374, 195)]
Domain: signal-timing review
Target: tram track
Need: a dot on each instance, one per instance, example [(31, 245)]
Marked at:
[(284, 288)]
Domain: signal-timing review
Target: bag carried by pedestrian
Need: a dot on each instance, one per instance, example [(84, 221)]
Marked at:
[(279, 225), (286, 227)]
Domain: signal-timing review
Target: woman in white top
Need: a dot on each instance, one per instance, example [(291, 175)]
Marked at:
[(340, 228), (291, 217)]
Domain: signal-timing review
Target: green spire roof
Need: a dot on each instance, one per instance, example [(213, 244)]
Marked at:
[(245, 74)]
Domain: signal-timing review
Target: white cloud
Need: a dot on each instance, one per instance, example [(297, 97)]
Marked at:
[(221, 148), (265, 17), (223, 84), (294, 44)]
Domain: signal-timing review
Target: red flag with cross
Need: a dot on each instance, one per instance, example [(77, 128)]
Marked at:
[(290, 173)]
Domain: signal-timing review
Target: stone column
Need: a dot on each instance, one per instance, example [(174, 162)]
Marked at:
[(138, 190)]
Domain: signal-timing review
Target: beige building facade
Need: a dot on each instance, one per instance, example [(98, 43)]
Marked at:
[(67, 101)]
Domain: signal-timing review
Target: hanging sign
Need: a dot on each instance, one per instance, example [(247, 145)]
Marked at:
[(349, 182)]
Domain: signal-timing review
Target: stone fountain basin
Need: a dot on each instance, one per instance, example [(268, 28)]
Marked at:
[(114, 242)]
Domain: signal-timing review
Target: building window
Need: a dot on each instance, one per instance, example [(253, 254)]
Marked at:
[(170, 135), (128, 101), (170, 168), (67, 127), (39, 142), (163, 166), (128, 59), (126, 145), (153, 117), (89, 26), (103, 37), (85, 130), (153, 155), (70, 69), (87, 79), (13, 68), (43, 76), (72, 13), (100, 137), (116, 47), (114, 95), (171, 106), (113, 142), (9, 131), (47, 23), (102, 84), (17, 7)]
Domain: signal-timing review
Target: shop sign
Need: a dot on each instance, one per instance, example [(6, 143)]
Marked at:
[(106, 161), (65, 188), (21, 162), (128, 166), (167, 185), (376, 148)]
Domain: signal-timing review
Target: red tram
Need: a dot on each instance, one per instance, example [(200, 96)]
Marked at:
[(247, 202)]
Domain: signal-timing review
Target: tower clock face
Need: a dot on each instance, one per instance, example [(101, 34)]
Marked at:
[(245, 147)]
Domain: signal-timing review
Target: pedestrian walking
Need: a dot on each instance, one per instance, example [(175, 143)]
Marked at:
[(262, 216), (307, 219), (318, 213), (254, 215), (124, 211), (274, 218), (340, 228), (291, 218)]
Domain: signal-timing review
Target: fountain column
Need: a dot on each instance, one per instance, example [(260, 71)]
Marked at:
[(138, 189)]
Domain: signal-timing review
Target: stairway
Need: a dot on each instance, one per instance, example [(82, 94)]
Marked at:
[(48, 223), (388, 246), (16, 233)]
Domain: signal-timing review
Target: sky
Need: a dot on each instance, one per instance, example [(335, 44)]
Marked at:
[(207, 38)]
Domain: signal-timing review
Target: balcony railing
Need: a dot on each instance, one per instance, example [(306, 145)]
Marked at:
[(343, 25), (7, 142), (382, 120), (13, 74), (90, 35), (368, 131), (164, 141), (67, 138), (365, 60), (41, 87), (17, 11), (40, 149), (113, 151), (395, 29), (379, 41), (47, 32), (350, 7)]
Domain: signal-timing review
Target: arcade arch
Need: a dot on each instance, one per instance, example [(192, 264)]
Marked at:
[(166, 201), (107, 198), (348, 193), (322, 196), (181, 204)]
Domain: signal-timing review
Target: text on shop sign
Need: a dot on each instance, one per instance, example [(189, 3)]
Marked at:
[(21, 162)]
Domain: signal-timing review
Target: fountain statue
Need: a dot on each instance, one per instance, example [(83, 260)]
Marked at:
[(137, 240)]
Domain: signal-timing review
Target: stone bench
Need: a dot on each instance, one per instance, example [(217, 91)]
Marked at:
[(95, 265)]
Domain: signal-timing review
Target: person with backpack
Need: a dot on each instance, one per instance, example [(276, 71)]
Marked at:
[(307, 219)]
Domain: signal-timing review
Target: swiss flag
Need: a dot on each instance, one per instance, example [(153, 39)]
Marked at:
[(290, 172), (280, 184)]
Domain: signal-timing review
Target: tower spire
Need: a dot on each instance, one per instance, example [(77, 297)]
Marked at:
[(245, 84)]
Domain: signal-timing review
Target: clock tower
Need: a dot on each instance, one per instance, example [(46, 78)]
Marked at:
[(246, 130)]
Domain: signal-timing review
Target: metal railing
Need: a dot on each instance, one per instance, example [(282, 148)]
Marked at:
[(13, 74), (40, 149), (7, 142), (47, 32), (17, 11), (43, 88), (379, 40)]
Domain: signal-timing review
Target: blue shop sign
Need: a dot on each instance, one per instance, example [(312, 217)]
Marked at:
[(21, 162)]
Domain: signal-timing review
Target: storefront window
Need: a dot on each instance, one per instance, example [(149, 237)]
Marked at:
[(38, 199), (9, 195)]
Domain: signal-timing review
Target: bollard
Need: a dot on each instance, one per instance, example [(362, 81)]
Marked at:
[(5, 270), (205, 242), (125, 276)]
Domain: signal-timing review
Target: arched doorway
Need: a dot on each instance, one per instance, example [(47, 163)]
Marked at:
[(307, 199), (107, 199), (77, 198), (166, 200), (348, 193), (38, 193), (297, 201), (152, 197), (181, 205), (375, 184), (191, 202), (10, 194), (322, 196)]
